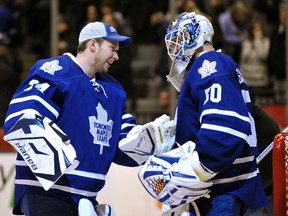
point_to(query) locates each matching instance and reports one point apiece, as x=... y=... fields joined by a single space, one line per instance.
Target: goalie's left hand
x=176 y=177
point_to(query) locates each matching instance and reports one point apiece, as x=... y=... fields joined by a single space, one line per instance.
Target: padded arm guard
x=152 y=138
x=176 y=177
x=44 y=146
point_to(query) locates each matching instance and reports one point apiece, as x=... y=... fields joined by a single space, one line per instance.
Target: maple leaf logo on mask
x=101 y=128
x=51 y=67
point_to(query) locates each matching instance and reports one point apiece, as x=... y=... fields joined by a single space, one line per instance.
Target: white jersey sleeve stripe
x=125 y=125
x=59 y=187
x=224 y=112
x=40 y=100
x=246 y=96
x=236 y=178
x=20 y=113
x=86 y=174
x=225 y=130
x=72 y=172
x=244 y=160
x=21 y=163
x=126 y=116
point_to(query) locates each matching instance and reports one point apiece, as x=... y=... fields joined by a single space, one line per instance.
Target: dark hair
x=252 y=25
x=82 y=46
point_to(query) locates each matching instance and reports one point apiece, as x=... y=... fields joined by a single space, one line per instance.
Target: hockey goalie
x=215 y=112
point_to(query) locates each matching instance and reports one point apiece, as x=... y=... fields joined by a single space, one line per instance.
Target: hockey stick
x=268 y=148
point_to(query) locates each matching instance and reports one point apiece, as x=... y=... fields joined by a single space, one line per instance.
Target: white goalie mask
x=183 y=37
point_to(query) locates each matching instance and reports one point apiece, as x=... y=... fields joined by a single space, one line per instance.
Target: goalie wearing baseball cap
x=213 y=169
x=68 y=122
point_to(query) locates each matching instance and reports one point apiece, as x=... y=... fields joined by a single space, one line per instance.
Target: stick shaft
x=268 y=149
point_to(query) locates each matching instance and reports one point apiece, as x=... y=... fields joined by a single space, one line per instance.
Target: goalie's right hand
x=171 y=177
x=151 y=138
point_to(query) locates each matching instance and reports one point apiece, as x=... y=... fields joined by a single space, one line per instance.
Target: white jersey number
x=214 y=93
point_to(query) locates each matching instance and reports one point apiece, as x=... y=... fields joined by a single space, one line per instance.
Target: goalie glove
x=152 y=138
x=176 y=177
x=44 y=146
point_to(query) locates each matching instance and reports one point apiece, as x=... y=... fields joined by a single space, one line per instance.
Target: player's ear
x=93 y=45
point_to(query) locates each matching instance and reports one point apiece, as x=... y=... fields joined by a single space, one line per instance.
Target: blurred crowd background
x=250 y=31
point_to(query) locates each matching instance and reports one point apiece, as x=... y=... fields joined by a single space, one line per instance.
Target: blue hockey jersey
x=92 y=114
x=214 y=111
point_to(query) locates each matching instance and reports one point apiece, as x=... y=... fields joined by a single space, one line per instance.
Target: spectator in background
x=268 y=9
x=38 y=28
x=233 y=24
x=67 y=37
x=164 y=101
x=253 y=59
x=217 y=7
x=159 y=20
x=92 y=15
x=8 y=81
x=7 y=24
x=121 y=70
x=108 y=10
x=141 y=11
x=9 y=37
x=191 y=6
x=277 y=55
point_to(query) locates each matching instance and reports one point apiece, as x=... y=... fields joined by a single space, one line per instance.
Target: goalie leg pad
x=44 y=146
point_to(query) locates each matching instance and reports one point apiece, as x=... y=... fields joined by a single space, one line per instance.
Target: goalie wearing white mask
x=214 y=171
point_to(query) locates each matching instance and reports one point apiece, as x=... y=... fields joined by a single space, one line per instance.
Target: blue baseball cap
x=103 y=30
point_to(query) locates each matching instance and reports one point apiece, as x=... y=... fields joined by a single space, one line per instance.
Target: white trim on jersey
x=225 y=130
x=20 y=113
x=72 y=172
x=126 y=116
x=40 y=100
x=224 y=112
x=246 y=96
x=86 y=174
x=244 y=160
x=21 y=163
x=58 y=187
x=125 y=125
x=236 y=178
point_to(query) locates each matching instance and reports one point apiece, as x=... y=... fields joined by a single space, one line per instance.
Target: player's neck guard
x=177 y=73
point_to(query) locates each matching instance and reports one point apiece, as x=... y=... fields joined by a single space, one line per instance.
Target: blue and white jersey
x=214 y=111
x=92 y=114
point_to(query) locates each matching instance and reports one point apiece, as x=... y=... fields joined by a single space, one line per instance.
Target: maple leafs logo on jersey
x=101 y=128
x=207 y=68
x=51 y=67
